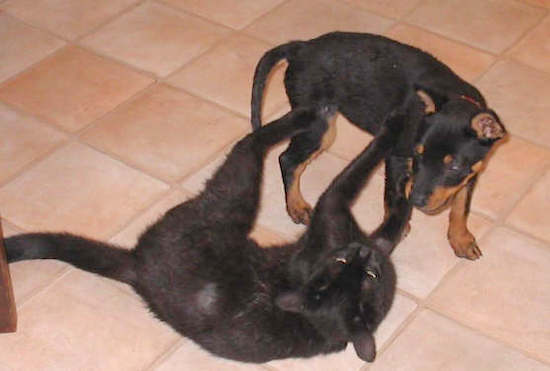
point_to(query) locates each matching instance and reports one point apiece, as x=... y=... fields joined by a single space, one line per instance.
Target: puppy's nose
x=419 y=200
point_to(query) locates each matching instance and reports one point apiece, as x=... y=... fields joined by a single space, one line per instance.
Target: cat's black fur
x=198 y=270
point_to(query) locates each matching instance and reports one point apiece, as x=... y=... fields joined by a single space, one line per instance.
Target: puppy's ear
x=487 y=127
x=291 y=301
x=364 y=345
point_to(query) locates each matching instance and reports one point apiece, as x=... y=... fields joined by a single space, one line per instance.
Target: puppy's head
x=347 y=295
x=453 y=142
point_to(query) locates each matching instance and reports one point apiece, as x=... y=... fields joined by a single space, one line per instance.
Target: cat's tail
x=90 y=255
x=263 y=68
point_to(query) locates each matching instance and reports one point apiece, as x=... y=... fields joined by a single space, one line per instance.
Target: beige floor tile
x=23 y=139
x=467 y=62
x=531 y=214
x=509 y=172
x=492 y=25
x=541 y=3
x=128 y=237
x=303 y=19
x=22 y=46
x=224 y=75
x=350 y=140
x=167 y=132
x=155 y=38
x=232 y=13
x=505 y=294
x=425 y=256
x=66 y=18
x=84 y=323
x=388 y=8
x=73 y=88
x=521 y=97
x=266 y=237
x=189 y=356
x=79 y=190
x=432 y=342
x=534 y=49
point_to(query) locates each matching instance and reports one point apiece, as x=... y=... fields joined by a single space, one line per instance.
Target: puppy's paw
x=465 y=246
x=299 y=212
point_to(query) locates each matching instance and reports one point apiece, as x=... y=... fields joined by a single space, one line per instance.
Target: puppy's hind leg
x=303 y=149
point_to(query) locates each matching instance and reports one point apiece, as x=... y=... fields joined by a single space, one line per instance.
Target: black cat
x=198 y=270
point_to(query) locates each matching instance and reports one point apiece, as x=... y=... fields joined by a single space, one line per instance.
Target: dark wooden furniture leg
x=8 y=314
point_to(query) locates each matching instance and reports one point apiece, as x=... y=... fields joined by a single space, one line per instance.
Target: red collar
x=471 y=100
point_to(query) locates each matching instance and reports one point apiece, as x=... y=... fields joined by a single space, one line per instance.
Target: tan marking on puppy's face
x=441 y=196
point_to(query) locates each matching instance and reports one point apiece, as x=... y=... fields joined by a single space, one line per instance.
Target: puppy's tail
x=263 y=68
x=89 y=255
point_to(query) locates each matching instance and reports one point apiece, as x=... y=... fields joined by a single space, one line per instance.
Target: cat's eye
x=371 y=274
x=341 y=260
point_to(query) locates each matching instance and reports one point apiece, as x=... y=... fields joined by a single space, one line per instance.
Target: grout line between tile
x=113 y=59
x=108 y=20
x=428 y=304
x=43 y=290
x=501 y=220
x=526 y=32
x=460 y=42
x=487 y=335
x=400 y=329
x=418 y=5
x=191 y=14
x=152 y=74
x=44 y=30
x=32 y=66
x=214 y=45
x=525 y=234
x=5 y=222
x=39 y=158
x=166 y=354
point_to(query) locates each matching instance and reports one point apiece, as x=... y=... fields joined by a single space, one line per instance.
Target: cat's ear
x=364 y=345
x=291 y=301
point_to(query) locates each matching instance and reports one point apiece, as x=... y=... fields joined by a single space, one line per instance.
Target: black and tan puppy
x=367 y=76
x=198 y=270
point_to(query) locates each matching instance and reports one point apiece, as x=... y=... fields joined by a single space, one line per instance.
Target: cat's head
x=348 y=293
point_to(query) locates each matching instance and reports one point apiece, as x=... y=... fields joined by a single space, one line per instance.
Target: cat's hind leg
x=234 y=190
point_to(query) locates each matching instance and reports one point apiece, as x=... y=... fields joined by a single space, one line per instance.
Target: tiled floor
x=111 y=111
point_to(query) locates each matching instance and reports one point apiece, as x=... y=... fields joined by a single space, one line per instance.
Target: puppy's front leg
x=461 y=239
